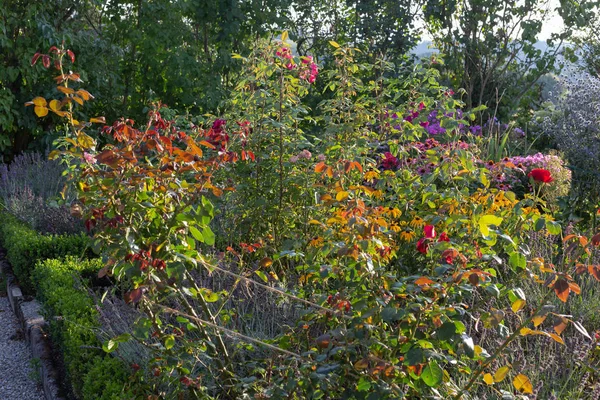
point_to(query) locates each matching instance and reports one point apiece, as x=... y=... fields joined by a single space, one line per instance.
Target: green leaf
x=432 y=374
x=553 y=227
x=363 y=385
x=169 y=342
x=262 y=276
x=446 y=331
x=209 y=236
x=196 y=234
x=517 y=260
x=110 y=346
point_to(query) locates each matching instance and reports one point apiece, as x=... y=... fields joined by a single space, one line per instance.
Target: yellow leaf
x=314 y=222
x=65 y=90
x=538 y=319
x=266 y=262
x=341 y=195
x=98 y=120
x=334 y=44
x=361 y=364
x=78 y=100
x=40 y=111
x=556 y=338
x=53 y=154
x=518 y=305
x=85 y=141
x=39 y=101
x=55 y=105
x=501 y=374
x=284 y=36
x=522 y=384
x=487 y=378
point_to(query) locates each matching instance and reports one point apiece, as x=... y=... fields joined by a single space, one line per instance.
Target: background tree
x=491 y=50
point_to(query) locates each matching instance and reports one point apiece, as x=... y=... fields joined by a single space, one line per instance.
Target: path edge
x=35 y=330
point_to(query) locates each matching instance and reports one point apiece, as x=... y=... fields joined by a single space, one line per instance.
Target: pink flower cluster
x=311 y=70
x=308 y=69
x=303 y=155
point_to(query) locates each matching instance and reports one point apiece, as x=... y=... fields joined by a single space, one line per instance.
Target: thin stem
x=499 y=351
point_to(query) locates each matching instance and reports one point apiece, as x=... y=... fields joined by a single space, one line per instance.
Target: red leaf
x=35 y=58
x=46 y=61
x=134 y=296
x=167 y=142
x=71 y=55
x=108 y=157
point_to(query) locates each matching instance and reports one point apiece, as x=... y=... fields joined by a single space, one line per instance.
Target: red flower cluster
x=541 y=175
x=390 y=162
x=429 y=232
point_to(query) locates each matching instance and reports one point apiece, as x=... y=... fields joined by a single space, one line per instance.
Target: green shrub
x=24 y=247
x=73 y=320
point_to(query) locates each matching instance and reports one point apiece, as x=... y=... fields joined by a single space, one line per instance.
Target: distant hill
x=426 y=47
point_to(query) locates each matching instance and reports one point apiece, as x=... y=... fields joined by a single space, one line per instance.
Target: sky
x=552 y=25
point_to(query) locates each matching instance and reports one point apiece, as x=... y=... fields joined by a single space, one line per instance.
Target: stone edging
x=34 y=330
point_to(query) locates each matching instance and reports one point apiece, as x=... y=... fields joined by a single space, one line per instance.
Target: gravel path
x=15 y=364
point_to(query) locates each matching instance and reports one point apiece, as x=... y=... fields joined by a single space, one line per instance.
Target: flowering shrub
x=512 y=173
x=388 y=263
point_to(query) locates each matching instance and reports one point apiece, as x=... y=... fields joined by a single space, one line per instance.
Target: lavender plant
x=29 y=187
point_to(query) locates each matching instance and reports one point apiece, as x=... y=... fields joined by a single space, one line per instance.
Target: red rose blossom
x=429 y=231
x=541 y=175
x=422 y=245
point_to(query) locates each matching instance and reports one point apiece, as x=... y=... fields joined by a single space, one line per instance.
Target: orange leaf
x=65 y=90
x=78 y=100
x=560 y=325
x=84 y=94
x=423 y=281
x=207 y=144
x=594 y=270
x=574 y=288
x=568 y=237
x=561 y=288
x=320 y=167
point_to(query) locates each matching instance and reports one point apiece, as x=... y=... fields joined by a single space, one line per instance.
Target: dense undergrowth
x=388 y=246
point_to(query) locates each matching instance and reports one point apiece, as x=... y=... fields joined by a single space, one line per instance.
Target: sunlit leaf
x=40 y=111
x=501 y=373
x=342 y=195
x=488 y=378
x=522 y=384
x=561 y=288
x=517 y=305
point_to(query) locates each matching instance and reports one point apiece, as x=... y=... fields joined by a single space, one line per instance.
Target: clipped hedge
x=73 y=319
x=24 y=247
